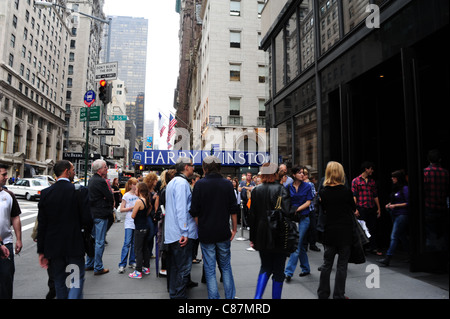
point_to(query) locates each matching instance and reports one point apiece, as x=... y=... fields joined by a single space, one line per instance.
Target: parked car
x=30 y=188
x=49 y=178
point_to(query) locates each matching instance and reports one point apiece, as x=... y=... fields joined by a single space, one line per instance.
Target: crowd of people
x=184 y=212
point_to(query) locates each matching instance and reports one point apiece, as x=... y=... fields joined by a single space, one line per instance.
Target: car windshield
x=40 y=183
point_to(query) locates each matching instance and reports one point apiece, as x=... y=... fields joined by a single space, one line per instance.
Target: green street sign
x=94 y=114
x=118 y=118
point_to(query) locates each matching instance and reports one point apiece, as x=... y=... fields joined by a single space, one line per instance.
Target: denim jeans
x=399 y=233
x=62 y=267
x=179 y=268
x=128 y=249
x=99 y=233
x=300 y=253
x=209 y=252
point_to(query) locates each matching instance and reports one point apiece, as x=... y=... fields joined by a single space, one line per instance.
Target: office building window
x=235 y=8
x=235 y=39
x=235 y=72
x=235 y=106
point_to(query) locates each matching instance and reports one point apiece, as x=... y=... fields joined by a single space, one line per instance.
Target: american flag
x=171 y=132
x=162 y=126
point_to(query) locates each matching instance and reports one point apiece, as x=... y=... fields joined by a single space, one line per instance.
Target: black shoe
x=51 y=294
x=192 y=284
x=303 y=274
x=288 y=278
x=385 y=261
x=314 y=247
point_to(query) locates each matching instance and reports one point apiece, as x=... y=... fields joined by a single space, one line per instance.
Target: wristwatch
x=1 y=243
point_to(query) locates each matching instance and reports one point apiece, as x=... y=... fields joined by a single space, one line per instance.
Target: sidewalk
x=395 y=282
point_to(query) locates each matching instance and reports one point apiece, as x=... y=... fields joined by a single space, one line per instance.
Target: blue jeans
x=399 y=233
x=209 y=252
x=128 y=248
x=99 y=233
x=179 y=268
x=300 y=253
x=58 y=267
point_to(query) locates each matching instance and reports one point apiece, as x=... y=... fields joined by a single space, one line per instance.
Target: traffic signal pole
x=86 y=147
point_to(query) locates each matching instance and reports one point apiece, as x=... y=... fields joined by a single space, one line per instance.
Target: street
x=366 y=281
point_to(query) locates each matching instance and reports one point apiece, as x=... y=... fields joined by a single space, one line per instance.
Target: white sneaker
x=121 y=269
x=133 y=266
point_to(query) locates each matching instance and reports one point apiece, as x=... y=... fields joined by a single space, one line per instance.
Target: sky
x=163 y=49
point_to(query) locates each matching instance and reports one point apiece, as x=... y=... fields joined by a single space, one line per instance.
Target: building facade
x=221 y=86
x=34 y=57
x=128 y=47
x=84 y=53
x=362 y=80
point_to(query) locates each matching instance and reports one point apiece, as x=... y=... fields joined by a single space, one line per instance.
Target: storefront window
x=354 y=12
x=306 y=34
x=279 y=61
x=305 y=148
x=329 y=24
x=292 y=48
x=285 y=142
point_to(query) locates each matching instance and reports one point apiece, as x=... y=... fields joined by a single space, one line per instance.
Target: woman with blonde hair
x=338 y=206
x=128 y=201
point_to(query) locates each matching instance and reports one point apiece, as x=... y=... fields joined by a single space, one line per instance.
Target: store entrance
x=377 y=133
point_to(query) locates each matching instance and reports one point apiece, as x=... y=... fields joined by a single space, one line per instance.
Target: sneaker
x=146 y=271
x=133 y=265
x=135 y=274
x=121 y=269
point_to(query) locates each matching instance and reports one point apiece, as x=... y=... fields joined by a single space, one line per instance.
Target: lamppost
x=45 y=4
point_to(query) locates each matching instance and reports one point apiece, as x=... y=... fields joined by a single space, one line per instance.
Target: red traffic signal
x=102 y=94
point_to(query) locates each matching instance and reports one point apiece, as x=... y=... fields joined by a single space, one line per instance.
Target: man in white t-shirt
x=9 y=215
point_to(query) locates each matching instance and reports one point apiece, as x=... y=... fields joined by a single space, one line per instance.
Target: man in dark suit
x=102 y=203
x=63 y=211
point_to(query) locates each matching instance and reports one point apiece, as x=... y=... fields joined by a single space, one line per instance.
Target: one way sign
x=104 y=131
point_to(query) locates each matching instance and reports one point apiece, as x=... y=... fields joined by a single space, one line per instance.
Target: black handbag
x=89 y=242
x=282 y=230
x=357 y=255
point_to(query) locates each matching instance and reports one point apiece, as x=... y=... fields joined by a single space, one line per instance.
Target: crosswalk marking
x=29 y=214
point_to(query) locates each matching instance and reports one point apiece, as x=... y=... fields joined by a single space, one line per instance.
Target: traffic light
x=102 y=94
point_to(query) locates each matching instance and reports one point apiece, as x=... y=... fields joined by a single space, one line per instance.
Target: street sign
x=104 y=131
x=106 y=71
x=94 y=114
x=118 y=118
x=89 y=98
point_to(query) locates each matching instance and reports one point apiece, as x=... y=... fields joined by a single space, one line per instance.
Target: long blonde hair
x=334 y=174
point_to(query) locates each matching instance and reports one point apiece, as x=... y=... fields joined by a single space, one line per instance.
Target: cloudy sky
x=163 y=49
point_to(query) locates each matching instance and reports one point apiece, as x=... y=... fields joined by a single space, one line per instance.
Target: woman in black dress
x=338 y=206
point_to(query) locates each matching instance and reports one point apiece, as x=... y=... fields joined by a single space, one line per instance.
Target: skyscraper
x=128 y=47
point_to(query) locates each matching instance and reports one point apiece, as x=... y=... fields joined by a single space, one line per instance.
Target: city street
x=395 y=282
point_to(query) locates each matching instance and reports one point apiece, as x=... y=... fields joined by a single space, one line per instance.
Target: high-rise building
x=221 y=86
x=128 y=47
x=35 y=45
x=84 y=52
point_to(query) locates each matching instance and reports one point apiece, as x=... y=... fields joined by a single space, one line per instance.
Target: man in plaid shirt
x=365 y=195
x=436 y=184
